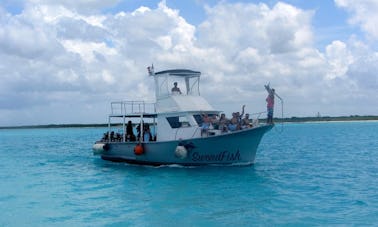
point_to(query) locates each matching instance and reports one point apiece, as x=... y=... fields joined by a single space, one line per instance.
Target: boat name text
x=220 y=157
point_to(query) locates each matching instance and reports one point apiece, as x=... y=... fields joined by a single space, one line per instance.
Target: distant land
x=327 y=118
x=277 y=120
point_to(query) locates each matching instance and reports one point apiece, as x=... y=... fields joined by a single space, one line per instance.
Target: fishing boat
x=173 y=130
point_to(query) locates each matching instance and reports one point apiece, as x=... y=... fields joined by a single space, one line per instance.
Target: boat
x=172 y=129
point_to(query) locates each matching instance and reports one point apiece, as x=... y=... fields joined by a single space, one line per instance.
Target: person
x=233 y=124
x=240 y=115
x=147 y=133
x=223 y=121
x=205 y=124
x=270 y=104
x=214 y=122
x=112 y=138
x=245 y=123
x=118 y=137
x=105 y=138
x=175 y=89
x=129 y=132
x=139 y=133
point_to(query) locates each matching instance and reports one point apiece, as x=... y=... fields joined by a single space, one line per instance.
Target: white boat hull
x=226 y=149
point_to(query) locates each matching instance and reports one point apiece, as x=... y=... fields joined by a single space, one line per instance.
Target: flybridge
x=186 y=80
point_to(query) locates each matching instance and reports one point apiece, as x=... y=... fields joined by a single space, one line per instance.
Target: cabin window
x=178 y=121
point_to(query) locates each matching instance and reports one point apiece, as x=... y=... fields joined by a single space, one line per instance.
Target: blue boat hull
x=226 y=149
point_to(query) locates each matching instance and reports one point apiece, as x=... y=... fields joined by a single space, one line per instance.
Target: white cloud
x=339 y=58
x=54 y=55
x=107 y=77
x=363 y=69
x=281 y=29
x=364 y=14
x=88 y=51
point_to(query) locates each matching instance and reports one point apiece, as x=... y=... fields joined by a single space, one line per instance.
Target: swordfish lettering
x=218 y=157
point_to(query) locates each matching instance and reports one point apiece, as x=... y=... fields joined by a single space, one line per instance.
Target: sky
x=64 y=61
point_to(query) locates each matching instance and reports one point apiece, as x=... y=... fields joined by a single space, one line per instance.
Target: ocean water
x=304 y=174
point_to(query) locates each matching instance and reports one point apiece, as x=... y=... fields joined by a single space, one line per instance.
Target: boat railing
x=255 y=119
x=132 y=108
x=257 y=114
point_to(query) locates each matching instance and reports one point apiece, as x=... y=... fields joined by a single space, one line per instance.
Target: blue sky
x=65 y=61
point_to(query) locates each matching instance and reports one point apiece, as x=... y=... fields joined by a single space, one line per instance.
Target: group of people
x=237 y=122
x=112 y=137
x=145 y=133
x=130 y=136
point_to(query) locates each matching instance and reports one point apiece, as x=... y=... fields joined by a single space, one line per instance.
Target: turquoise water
x=308 y=174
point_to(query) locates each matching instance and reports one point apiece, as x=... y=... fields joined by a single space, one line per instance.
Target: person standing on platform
x=270 y=103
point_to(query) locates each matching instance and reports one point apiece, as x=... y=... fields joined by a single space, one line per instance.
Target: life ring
x=138 y=149
x=181 y=152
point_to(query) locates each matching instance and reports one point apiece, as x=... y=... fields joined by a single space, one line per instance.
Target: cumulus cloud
x=257 y=25
x=262 y=44
x=62 y=64
x=364 y=14
x=339 y=59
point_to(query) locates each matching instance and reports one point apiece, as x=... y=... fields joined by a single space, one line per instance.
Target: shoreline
x=55 y=126
x=325 y=119
x=276 y=120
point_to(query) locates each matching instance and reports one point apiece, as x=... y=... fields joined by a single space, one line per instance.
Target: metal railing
x=132 y=107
